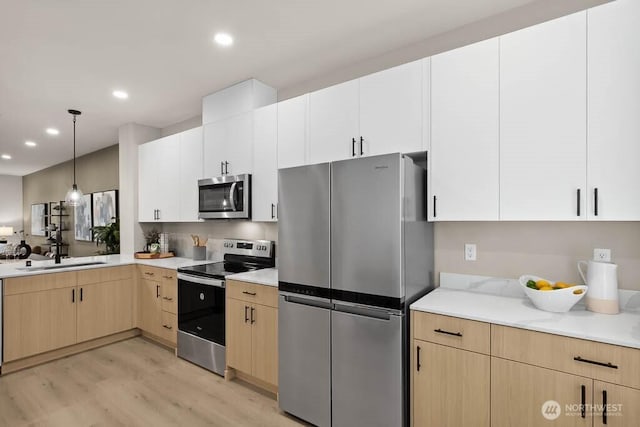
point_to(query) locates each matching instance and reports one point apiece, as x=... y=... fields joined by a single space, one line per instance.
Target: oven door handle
x=201 y=280
x=232 y=195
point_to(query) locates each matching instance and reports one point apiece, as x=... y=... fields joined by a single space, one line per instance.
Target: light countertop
x=266 y=276
x=502 y=301
x=13 y=269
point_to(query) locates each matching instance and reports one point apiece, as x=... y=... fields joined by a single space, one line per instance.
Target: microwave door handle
x=232 y=195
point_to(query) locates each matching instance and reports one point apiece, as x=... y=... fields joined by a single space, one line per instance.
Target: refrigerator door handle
x=375 y=313
x=310 y=301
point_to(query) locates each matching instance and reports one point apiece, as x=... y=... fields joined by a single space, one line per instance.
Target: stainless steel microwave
x=225 y=197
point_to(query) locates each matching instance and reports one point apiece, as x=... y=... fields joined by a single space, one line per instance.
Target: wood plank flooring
x=131 y=383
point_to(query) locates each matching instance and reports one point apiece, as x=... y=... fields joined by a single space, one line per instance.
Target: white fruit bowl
x=557 y=300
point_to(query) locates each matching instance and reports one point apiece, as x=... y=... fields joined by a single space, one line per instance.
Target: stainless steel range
x=201 y=300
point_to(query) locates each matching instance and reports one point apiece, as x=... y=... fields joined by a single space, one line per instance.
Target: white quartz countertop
x=14 y=269
x=497 y=301
x=266 y=276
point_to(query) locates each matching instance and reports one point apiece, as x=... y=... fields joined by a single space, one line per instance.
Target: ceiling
x=61 y=54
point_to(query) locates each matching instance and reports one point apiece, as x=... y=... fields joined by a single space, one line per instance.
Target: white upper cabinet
x=333 y=123
x=614 y=111
x=265 y=157
x=426 y=104
x=190 y=170
x=242 y=97
x=292 y=131
x=391 y=111
x=158 y=180
x=464 y=153
x=228 y=146
x=543 y=121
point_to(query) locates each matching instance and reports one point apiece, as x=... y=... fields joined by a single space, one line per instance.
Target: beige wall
x=546 y=249
x=97 y=171
x=11 y=204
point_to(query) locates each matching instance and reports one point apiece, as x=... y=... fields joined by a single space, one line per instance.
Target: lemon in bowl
x=556 y=297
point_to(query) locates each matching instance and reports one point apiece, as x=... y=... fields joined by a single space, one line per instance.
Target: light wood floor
x=131 y=383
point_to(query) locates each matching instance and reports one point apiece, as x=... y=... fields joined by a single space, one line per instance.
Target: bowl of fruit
x=557 y=297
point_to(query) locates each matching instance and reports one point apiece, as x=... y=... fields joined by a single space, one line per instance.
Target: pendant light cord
x=74 y=150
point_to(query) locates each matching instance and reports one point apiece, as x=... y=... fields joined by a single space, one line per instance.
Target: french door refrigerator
x=355 y=251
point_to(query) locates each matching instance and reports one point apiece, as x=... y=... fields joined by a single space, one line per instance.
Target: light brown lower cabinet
x=528 y=396
x=252 y=332
x=105 y=309
x=450 y=386
x=527 y=379
x=51 y=311
x=615 y=405
x=37 y=322
x=157 y=303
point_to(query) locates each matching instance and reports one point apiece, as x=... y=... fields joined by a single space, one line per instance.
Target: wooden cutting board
x=149 y=255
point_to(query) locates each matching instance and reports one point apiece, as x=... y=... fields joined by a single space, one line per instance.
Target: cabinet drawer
x=39 y=282
x=169 y=327
x=251 y=292
x=148 y=272
x=452 y=331
x=605 y=362
x=103 y=274
x=170 y=295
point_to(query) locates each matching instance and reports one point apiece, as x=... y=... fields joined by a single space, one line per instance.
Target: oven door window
x=201 y=310
x=224 y=197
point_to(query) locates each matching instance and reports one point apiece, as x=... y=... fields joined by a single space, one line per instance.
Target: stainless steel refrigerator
x=355 y=251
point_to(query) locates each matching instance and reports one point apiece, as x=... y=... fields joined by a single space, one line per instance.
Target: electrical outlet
x=470 y=252
x=602 y=255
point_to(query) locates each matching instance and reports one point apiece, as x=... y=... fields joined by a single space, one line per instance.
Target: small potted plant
x=109 y=235
x=153 y=241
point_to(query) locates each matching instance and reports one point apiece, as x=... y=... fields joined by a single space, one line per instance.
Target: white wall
x=129 y=137
x=11 y=202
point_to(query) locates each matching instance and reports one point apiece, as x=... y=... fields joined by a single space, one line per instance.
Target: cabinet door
x=292 y=131
x=615 y=405
x=264 y=340
x=190 y=170
x=240 y=144
x=40 y=321
x=105 y=309
x=614 y=104
x=158 y=180
x=149 y=306
x=214 y=148
x=464 y=133
x=391 y=110
x=333 y=123
x=521 y=395
x=450 y=386
x=264 y=182
x=543 y=121
x=238 y=337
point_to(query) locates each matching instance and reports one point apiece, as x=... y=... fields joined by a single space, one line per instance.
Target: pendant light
x=74 y=195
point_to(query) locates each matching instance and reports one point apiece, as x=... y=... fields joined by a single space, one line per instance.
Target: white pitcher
x=602 y=279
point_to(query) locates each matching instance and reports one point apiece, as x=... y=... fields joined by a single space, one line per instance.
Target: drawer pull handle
x=167 y=327
x=246 y=316
x=593 y=362
x=249 y=293
x=604 y=407
x=167 y=277
x=148 y=274
x=418 y=357
x=167 y=298
x=583 y=401
x=455 y=334
x=253 y=320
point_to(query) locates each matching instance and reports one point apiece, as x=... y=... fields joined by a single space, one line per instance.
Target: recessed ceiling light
x=120 y=94
x=52 y=131
x=223 y=39
x=30 y=143
x=6 y=157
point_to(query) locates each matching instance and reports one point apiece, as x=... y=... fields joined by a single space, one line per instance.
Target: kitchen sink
x=58 y=266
